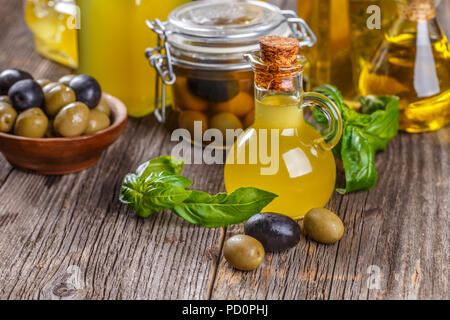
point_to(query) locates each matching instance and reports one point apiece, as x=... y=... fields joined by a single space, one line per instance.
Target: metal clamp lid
x=160 y=57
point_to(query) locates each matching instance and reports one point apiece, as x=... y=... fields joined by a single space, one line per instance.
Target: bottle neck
x=278 y=111
x=417 y=10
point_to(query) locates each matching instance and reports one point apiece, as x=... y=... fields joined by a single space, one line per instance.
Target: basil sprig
x=364 y=135
x=157 y=185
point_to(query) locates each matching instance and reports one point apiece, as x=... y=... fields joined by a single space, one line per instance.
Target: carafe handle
x=331 y=111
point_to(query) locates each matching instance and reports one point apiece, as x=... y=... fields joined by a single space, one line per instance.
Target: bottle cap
x=417 y=10
x=278 y=65
x=281 y=51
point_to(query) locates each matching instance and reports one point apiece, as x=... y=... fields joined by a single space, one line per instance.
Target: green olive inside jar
x=200 y=54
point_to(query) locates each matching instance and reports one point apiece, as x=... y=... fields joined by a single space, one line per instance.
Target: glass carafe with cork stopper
x=413 y=63
x=281 y=152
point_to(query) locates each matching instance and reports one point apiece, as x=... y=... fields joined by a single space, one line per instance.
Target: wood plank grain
x=61 y=232
x=399 y=227
x=69 y=238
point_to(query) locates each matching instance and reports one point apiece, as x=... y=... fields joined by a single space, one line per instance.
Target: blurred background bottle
x=344 y=40
x=54 y=26
x=112 y=42
x=413 y=63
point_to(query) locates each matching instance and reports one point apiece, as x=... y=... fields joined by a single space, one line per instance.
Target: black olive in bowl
x=26 y=94
x=87 y=90
x=276 y=232
x=9 y=77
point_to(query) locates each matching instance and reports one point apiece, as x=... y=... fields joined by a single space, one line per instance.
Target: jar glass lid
x=216 y=34
x=216 y=21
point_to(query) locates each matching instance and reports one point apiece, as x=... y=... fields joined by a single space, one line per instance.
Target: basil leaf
x=132 y=194
x=364 y=134
x=222 y=209
x=370 y=104
x=358 y=158
x=166 y=164
x=157 y=192
x=158 y=185
x=384 y=125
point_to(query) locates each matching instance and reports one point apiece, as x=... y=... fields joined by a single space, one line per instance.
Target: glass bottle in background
x=112 y=42
x=413 y=63
x=343 y=40
x=54 y=26
x=366 y=41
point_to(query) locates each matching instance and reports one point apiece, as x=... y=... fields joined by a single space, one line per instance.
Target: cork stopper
x=280 y=51
x=417 y=10
x=280 y=63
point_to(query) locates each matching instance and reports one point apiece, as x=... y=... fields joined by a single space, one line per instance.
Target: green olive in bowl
x=103 y=107
x=43 y=82
x=72 y=120
x=8 y=117
x=31 y=123
x=97 y=121
x=5 y=99
x=66 y=79
x=56 y=97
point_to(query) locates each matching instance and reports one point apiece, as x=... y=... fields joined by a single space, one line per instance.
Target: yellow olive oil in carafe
x=298 y=167
x=54 y=26
x=112 y=40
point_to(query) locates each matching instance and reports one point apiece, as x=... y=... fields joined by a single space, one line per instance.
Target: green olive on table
x=323 y=226
x=72 y=120
x=103 y=106
x=56 y=97
x=32 y=123
x=8 y=116
x=97 y=121
x=243 y=252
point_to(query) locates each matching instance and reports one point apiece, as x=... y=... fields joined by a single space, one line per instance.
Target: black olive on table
x=9 y=77
x=87 y=90
x=276 y=232
x=26 y=94
x=214 y=90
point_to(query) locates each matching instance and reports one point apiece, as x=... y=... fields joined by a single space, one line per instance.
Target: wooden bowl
x=56 y=156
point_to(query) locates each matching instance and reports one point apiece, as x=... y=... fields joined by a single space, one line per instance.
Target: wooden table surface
x=59 y=234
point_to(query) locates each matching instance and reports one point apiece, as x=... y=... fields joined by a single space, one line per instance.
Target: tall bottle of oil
x=344 y=40
x=112 y=41
x=413 y=63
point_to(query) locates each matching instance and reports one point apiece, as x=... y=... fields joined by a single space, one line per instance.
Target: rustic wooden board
x=59 y=234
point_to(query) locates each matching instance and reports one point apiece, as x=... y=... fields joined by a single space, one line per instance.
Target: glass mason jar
x=112 y=40
x=201 y=54
x=54 y=24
